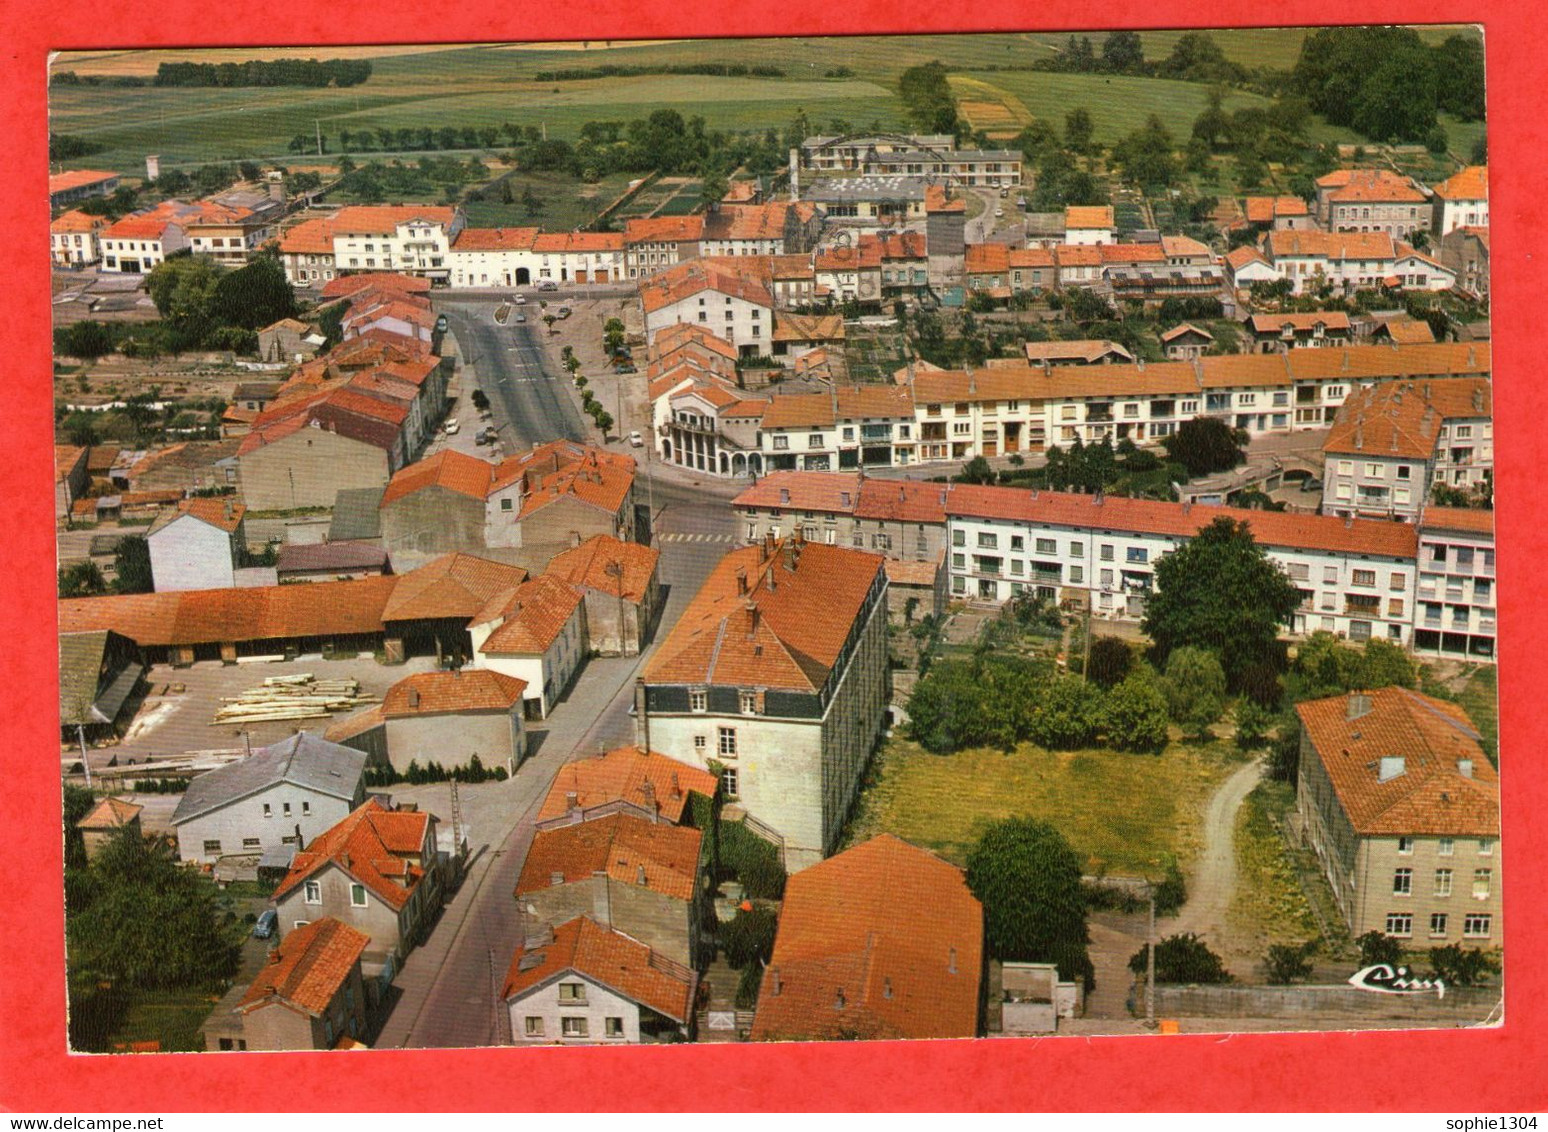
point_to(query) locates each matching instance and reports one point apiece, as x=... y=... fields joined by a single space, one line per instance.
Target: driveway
x=1213 y=882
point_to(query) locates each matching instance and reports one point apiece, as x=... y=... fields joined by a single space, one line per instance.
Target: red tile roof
x=76 y=179
x=494 y=239
x=939 y=198
x=379 y=848
x=1330 y=245
x=607 y=564
x=386 y=281
x=450 y=693
x=1244 y=256
x=448 y=470
x=1264 y=210
x=648 y=780
x=222 y=513
x=1089 y=216
x=787 y=630
x=532 y=618
x=902 y=501
x=608 y=958
x=1369 y=184
x=1403 y=418
x=563 y=469
x=310 y=237
x=451 y=587
x=1432 y=796
x=657 y=856
x=1471 y=183
x=77 y=221
x=1469 y=520
x=688 y=279
x=309 y=967
x=664 y=229
x=1299 y=320
x=110 y=813
x=380 y=219
x=829 y=492
x=881 y=941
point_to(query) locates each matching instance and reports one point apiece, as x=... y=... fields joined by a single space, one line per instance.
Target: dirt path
x=1213 y=882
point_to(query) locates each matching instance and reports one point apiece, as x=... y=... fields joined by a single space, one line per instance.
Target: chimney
x=555 y=879
x=648 y=791
x=887 y=987
x=951 y=962
x=838 y=1000
x=1359 y=705
x=784 y=496
x=639 y=875
x=571 y=801
x=414 y=698
x=774 y=981
x=1391 y=767
x=741 y=582
x=677 y=789
x=274 y=956
x=752 y=619
x=1465 y=768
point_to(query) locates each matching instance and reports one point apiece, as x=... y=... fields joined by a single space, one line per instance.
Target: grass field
x=1269 y=906
x=171 y=1017
x=1122 y=813
x=567 y=202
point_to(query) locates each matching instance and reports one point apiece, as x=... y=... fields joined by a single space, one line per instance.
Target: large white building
x=734 y=306
x=777 y=674
x=412 y=239
x=1462 y=201
x=198 y=546
x=1455 y=615
x=1348 y=261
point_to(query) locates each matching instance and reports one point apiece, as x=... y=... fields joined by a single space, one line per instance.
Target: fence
x=1461 y=1006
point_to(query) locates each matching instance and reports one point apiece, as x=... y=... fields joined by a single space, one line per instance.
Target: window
x=1476 y=926
x=1481 y=879
x=1077 y=575
x=1442 y=882
x=1445 y=847
x=357 y=896
x=1405 y=844
x=212 y=847
x=572 y=992
x=1485 y=846
x=727 y=744
x=814 y=440
x=958 y=537
x=1403 y=882
x=306 y=809
x=534 y=1026
x=881 y=542
x=1107 y=552
x=988 y=541
x=613 y=1027
x=1396 y=583
x=1346 y=467
x=573 y=1027
x=781 y=443
x=507 y=504
x=313 y=893
x=1437 y=923
x=1400 y=923
x=729 y=782
x=1137 y=556
x=1047 y=546
x=698 y=700
x=1107 y=577
x=286 y=807
x=1375 y=471
x=1364 y=578
x=251 y=843
x=268 y=811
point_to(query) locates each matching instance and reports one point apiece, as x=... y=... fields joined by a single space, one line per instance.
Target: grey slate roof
x=302 y=557
x=303 y=760
x=357 y=514
x=86 y=694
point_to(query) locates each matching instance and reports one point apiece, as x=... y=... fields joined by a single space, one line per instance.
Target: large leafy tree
x=256 y=295
x=1219 y=591
x=132 y=566
x=1382 y=81
x=1204 y=445
x=1134 y=715
x=1195 y=688
x=1124 y=52
x=1028 y=880
x=184 y=291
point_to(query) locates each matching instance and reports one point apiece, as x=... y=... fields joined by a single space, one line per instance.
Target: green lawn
x=1269 y=906
x=567 y=202
x=1123 y=813
x=1480 y=698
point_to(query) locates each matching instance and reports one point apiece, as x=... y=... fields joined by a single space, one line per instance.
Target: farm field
x=1121 y=812
x=566 y=202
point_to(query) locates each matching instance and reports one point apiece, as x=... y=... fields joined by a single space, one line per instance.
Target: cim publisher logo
x=1385 y=979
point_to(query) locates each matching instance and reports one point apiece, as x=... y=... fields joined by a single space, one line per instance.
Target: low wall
x=1460 y=1006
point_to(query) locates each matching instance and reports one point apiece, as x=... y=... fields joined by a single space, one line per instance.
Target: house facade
x=1455 y=614
x=1371 y=200
x=309 y=995
x=198 y=546
x=1461 y=201
x=537 y=634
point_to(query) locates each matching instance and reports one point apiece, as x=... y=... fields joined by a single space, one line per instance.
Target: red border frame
x=1385 y=1071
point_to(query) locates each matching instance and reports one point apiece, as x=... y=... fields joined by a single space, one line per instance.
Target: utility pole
x=1150 y=960
x=318 y=123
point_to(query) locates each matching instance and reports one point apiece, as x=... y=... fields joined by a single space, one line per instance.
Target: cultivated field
x=1121 y=812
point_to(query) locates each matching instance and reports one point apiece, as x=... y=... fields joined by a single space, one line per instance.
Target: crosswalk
x=676 y=536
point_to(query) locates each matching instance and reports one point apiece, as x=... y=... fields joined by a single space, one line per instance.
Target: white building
x=735 y=307
x=536 y=633
x=1462 y=200
x=1456 y=610
x=413 y=239
x=75 y=238
x=199 y=546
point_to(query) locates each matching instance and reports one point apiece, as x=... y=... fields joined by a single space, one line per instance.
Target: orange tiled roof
x=308 y=968
x=829 y=492
x=664 y=229
x=658 y=856
x=310 y=237
x=532 y=618
x=1369 y=184
x=747 y=221
x=110 y=813
x=77 y=178
x=1086 y=349
x=985 y=259
x=1471 y=520
x=1284 y=529
x=864 y=257
x=1089 y=216
x=386 y=281
x=495 y=239
x=377 y=847
x=1184 y=246
x=809 y=328
x=688 y=279
x=66 y=457
x=565 y=470
x=1330 y=245
x=789 y=266
x=460 y=690
x=221 y=513
x=1125 y=253
x=578 y=242
x=1432 y=796
x=881 y=941
x=938 y=198
x=1299 y=320
x=683 y=334
x=786 y=631
x=1403 y=418
x=1241 y=257
x=1186 y=328
x=648 y=780
x=1264 y=210
x=1471 y=183
x=606 y=957
x=897 y=245
x=589 y=564
x=77 y=221
x=449 y=470
x=903 y=501
x=377 y=219
x=1410 y=330
x=453 y=586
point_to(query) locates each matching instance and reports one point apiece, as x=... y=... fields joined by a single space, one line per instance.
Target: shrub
x=747 y=987
x=749 y=937
x=1066 y=717
x=1195 y=688
x=1110 y=661
x=751 y=860
x=1134 y=716
x=1183 y=959
x=1462 y=966
x=1378 y=947
x=1287 y=963
x=1172 y=891
x=1252 y=725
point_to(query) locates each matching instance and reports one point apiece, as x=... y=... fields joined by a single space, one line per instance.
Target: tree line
x=66 y=147
x=927 y=98
x=619 y=70
x=266 y=72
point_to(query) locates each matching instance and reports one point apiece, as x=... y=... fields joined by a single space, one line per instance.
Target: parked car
x=625 y=367
x=636 y=440
x=451 y=426
x=547 y=285
x=520 y=300
x=264 y=928
x=521 y=316
x=1311 y=484
x=564 y=312
x=999 y=212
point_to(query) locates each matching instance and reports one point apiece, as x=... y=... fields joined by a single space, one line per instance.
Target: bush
x=752 y=861
x=1067 y=715
x=1183 y=959
x=747 y=987
x=1171 y=892
x=1288 y=963
x=1378 y=947
x=1460 y=966
x=1134 y=716
x=749 y=937
x=1110 y=661
x=1252 y=725
x=1195 y=688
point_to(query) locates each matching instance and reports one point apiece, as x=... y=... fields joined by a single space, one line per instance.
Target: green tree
x=131 y=564
x=184 y=291
x=749 y=937
x=256 y=295
x=88 y=340
x=713 y=184
x=1124 y=53
x=977 y=470
x=1109 y=662
x=1078 y=129
x=1066 y=716
x=1195 y=688
x=1462 y=966
x=1204 y=445
x=1027 y=877
x=1289 y=963
x=83 y=579
x=1196 y=57
x=1378 y=947
x=1220 y=591
x=1183 y=958
x=1148 y=155
x=1134 y=715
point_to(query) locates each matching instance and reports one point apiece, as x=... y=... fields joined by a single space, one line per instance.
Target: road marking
x=687 y=536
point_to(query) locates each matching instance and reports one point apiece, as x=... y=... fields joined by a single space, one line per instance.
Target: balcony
x=1046 y=577
x=875 y=432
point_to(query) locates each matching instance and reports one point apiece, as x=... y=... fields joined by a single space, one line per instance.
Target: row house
x=1465 y=253
x=1348 y=261
x=1143 y=272
x=301 y=452
x=1090 y=224
x=1393 y=441
x=411 y=239
x=792 y=700
x=854 y=153
x=517 y=257
x=138 y=242
x=903 y=519
x=78 y=185
x=1457 y=596
x=870 y=200
x=1298 y=330
x=792 y=280
x=232 y=235
x=1372 y=200
x=978 y=168
x=75 y=238
x=1401 y=806
x=1277 y=214
x=1462 y=201
x=853 y=427
x=734 y=306
x=1356 y=577
x=850 y=274
x=579 y=257
x=775 y=228
x=905 y=260
x=655 y=243
x=306 y=250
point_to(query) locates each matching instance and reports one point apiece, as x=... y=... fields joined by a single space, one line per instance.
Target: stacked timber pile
x=291 y=697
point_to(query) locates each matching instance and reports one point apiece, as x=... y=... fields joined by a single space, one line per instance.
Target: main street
x=527 y=399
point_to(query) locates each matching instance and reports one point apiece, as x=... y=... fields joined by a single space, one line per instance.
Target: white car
x=636 y=440
x=520 y=300
x=451 y=426
x=999 y=212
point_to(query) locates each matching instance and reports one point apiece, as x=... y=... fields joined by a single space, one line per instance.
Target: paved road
x=447 y=992
x=527 y=398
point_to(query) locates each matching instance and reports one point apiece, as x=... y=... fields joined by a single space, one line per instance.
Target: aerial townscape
x=767 y=540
